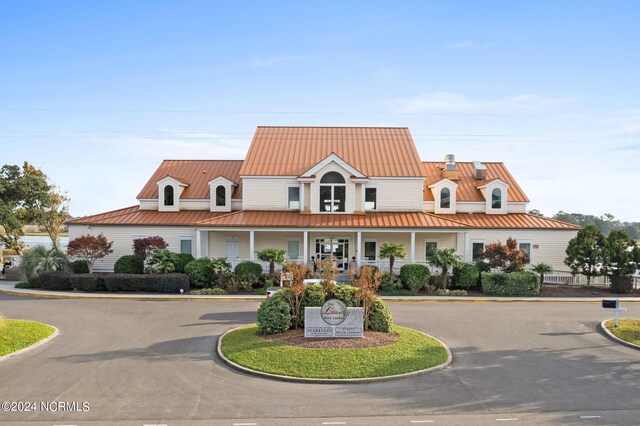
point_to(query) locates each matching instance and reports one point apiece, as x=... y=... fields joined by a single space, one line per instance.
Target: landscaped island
x=19 y=334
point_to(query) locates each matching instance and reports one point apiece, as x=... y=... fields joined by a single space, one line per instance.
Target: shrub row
x=512 y=284
x=166 y=283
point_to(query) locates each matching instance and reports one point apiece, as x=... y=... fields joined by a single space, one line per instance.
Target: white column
x=251 y=245
x=198 y=244
x=362 y=200
x=206 y=244
x=305 y=247
x=359 y=247
x=302 y=196
x=412 y=254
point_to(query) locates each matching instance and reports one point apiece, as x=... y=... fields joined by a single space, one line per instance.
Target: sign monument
x=334 y=319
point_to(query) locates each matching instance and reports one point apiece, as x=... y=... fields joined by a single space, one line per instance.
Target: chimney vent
x=479 y=170
x=450 y=163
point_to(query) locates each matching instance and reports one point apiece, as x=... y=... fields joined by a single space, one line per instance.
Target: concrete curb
x=333 y=381
x=610 y=335
x=33 y=346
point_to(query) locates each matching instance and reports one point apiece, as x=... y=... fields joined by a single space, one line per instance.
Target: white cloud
x=187 y=146
x=625 y=122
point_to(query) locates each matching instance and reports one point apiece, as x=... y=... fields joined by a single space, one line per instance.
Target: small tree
x=367 y=280
x=541 y=269
x=273 y=256
x=392 y=251
x=143 y=246
x=51 y=217
x=618 y=254
x=41 y=259
x=445 y=259
x=294 y=289
x=585 y=251
x=507 y=257
x=90 y=248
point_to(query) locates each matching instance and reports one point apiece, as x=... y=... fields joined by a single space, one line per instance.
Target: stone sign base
x=351 y=327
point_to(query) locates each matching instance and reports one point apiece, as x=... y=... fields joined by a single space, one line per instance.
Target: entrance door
x=233 y=250
x=338 y=248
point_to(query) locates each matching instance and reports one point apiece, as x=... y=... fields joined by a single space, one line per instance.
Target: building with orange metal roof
x=330 y=191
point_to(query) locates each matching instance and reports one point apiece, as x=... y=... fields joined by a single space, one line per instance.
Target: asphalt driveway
x=154 y=360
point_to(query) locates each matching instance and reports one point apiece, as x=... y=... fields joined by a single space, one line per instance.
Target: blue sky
x=98 y=93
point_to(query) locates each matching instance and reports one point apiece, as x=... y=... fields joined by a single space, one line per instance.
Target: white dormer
x=495 y=195
x=169 y=192
x=220 y=190
x=444 y=193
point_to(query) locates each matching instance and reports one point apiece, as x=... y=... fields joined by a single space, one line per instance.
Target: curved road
x=152 y=362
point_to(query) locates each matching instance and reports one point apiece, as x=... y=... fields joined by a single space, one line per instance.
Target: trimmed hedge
x=465 y=276
x=200 y=271
x=512 y=284
x=55 y=280
x=414 y=276
x=622 y=284
x=87 y=282
x=79 y=266
x=313 y=296
x=215 y=291
x=274 y=315
x=380 y=318
x=248 y=269
x=129 y=265
x=347 y=294
x=156 y=283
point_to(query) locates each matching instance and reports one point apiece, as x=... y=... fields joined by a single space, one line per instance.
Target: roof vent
x=450 y=163
x=479 y=170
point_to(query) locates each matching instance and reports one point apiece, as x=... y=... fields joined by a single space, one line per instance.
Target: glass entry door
x=338 y=248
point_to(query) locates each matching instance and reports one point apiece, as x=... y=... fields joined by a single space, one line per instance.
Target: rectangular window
x=293 y=249
x=325 y=198
x=339 y=198
x=526 y=247
x=370 y=199
x=370 y=250
x=429 y=249
x=294 y=198
x=185 y=245
x=477 y=250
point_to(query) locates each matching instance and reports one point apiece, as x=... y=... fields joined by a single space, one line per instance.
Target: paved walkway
x=9 y=288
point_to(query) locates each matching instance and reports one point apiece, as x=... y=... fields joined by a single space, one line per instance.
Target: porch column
x=302 y=206
x=251 y=245
x=206 y=244
x=198 y=244
x=358 y=247
x=305 y=247
x=412 y=254
x=362 y=197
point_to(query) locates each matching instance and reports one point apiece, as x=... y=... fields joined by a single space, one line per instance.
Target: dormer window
x=370 y=199
x=221 y=196
x=168 y=195
x=445 y=198
x=496 y=198
x=333 y=191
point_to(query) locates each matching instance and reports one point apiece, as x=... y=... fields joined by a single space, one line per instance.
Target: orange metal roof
x=195 y=173
x=290 y=151
x=287 y=219
x=134 y=216
x=467 y=184
x=511 y=220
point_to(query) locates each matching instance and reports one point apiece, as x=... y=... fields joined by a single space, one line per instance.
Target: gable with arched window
x=333 y=193
x=444 y=195
x=445 y=198
x=169 y=196
x=221 y=196
x=496 y=198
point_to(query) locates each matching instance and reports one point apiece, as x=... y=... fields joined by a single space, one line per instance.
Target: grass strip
x=629 y=330
x=18 y=334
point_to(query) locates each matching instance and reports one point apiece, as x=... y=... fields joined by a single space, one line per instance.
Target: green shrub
x=161 y=262
x=55 y=280
x=156 y=283
x=31 y=283
x=274 y=315
x=42 y=259
x=443 y=292
x=465 y=276
x=380 y=318
x=182 y=260
x=512 y=284
x=389 y=282
x=622 y=284
x=79 y=266
x=347 y=294
x=129 y=265
x=414 y=276
x=200 y=272
x=248 y=268
x=87 y=282
x=260 y=291
x=210 y=291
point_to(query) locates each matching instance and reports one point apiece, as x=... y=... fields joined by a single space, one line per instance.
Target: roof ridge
x=333 y=127
x=176 y=159
x=104 y=213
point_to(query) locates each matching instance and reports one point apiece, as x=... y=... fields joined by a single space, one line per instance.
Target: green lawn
x=18 y=334
x=629 y=330
x=413 y=351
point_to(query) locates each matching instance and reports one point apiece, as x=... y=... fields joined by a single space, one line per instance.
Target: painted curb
x=33 y=346
x=610 y=335
x=364 y=380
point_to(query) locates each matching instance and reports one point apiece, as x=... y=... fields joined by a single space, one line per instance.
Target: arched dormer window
x=333 y=192
x=496 y=198
x=221 y=195
x=168 y=195
x=445 y=198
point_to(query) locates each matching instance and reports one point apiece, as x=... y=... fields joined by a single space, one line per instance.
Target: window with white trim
x=445 y=198
x=293 y=202
x=221 y=196
x=168 y=195
x=477 y=248
x=333 y=193
x=186 y=244
x=293 y=249
x=370 y=199
x=496 y=198
x=370 y=250
x=430 y=248
x=525 y=246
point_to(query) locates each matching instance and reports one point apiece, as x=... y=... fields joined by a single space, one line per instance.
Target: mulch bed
x=371 y=339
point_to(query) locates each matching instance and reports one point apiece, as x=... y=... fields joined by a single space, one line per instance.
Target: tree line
x=605 y=223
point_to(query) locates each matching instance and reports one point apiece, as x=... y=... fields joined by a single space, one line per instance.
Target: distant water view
x=34 y=240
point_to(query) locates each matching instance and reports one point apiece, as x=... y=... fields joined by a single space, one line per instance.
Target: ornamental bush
x=249 y=269
x=87 y=282
x=274 y=315
x=157 y=283
x=511 y=284
x=414 y=276
x=200 y=272
x=622 y=284
x=347 y=294
x=182 y=260
x=129 y=265
x=314 y=296
x=465 y=276
x=79 y=266
x=389 y=282
x=55 y=280
x=380 y=318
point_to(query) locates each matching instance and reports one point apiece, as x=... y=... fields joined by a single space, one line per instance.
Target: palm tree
x=391 y=251
x=42 y=259
x=273 y=256
x=542 y=268
x=445 y=259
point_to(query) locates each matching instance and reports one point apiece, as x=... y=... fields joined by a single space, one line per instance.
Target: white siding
x=398 y=194
x=122 y=238
x=218 y=243
x=266 y=193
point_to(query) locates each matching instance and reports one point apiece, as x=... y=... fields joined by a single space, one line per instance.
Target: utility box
x=610 y=303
